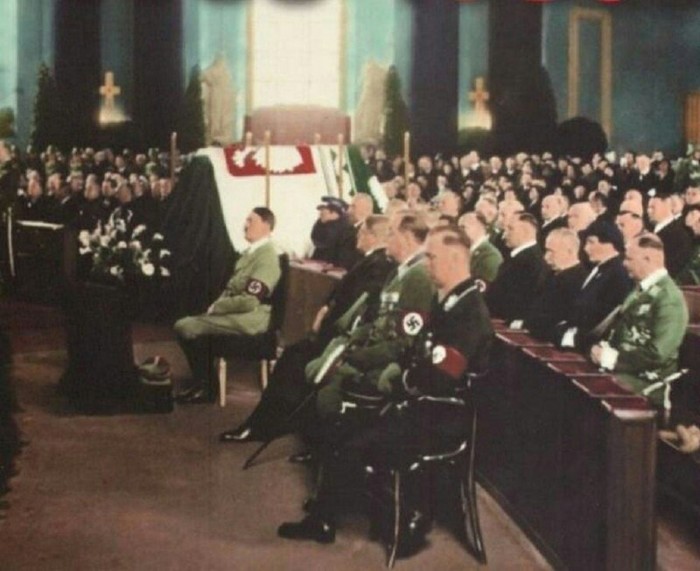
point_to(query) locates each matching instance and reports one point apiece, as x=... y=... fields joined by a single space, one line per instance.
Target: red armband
x=258 y=289
x=450 y=361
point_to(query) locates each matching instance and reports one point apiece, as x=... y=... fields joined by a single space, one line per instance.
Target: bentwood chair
x=262 y=347
x=459 y=460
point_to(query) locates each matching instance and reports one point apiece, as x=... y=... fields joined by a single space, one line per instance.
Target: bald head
x=561 y=249
x=581 y=215
x=360 y=207
x=450 y=203
x=552 y=207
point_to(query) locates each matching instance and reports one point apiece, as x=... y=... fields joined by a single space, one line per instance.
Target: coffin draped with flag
x=220 y=186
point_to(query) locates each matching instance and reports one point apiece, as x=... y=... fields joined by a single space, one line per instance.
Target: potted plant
x=121 y=266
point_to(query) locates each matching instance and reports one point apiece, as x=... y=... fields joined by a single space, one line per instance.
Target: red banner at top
x=287 y=160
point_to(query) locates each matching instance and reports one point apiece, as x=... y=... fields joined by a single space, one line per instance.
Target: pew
x=310 y=283
x=569 y=453
x=678 y=474
x=692 y=299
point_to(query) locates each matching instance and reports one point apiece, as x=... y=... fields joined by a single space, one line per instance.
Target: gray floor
x=159 y=492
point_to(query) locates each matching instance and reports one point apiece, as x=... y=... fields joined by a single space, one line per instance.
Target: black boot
x=311 y=527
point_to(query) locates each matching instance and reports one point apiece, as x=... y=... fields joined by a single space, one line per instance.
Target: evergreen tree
x=190 y=124
x=7 y=123
x=47 y=128
x=395 y=114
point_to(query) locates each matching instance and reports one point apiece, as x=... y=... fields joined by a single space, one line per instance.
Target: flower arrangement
x=118 y=254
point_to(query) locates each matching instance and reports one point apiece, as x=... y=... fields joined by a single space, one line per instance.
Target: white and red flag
x=297 y=183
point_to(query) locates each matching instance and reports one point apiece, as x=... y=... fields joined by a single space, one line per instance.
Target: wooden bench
x=569 y=453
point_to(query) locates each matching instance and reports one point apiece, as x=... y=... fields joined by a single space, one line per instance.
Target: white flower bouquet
x=118 y=254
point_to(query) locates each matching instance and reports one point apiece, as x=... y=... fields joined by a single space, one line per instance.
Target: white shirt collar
x=257 y=244
x=653 y=278
x=478 y=243
x=525 y=246
x=661 y=225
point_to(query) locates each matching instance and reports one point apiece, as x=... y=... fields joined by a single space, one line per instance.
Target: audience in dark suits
x=603 y=290
x=555 y=303
x=676 y=240
x=522 y=273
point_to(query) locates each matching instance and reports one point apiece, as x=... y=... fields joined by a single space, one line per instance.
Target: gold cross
x=479 y=96
x=109 y=91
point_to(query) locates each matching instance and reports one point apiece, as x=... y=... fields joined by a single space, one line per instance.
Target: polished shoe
x=309 y=505
x=244 y=433
x=413 y=538
x=305 y=457
x=195 y=396
x=309 y=528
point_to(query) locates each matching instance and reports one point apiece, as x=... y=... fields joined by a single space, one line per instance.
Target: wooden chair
x=459 y=460
x=262 y=347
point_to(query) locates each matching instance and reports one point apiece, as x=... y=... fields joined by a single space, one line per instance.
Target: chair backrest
x=278 y=299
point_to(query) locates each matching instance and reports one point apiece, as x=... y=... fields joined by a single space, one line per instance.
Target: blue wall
x=656 y=61
x=368 y=39
x=8 y=53
x=35 y=45
x=473 y=52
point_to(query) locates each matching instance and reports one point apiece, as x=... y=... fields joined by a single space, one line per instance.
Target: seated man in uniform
x=333 y=235
x=287 y=387
x=367 y=349
x=243 y=308
x=642 y=347
x=456 y=338
x=485 y=258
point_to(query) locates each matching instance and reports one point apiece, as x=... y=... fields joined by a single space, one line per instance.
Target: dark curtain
x=77 y=66
x=158 y=73
x=434 y=83
x=202 y=254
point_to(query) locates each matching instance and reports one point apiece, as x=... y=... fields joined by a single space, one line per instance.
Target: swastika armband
x=257 y=288
x=448 y=360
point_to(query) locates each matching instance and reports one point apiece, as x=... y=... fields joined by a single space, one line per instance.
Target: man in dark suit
x=522 y=273
x=421 y=390
x=556 y=301
x=677 y=242
x=603 y=290
x=287 y=386
x=553 y=211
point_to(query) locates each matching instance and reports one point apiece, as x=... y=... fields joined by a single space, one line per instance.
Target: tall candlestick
x=173 y=156
x=406 y=154
x=341 y=146
x=267 y=169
